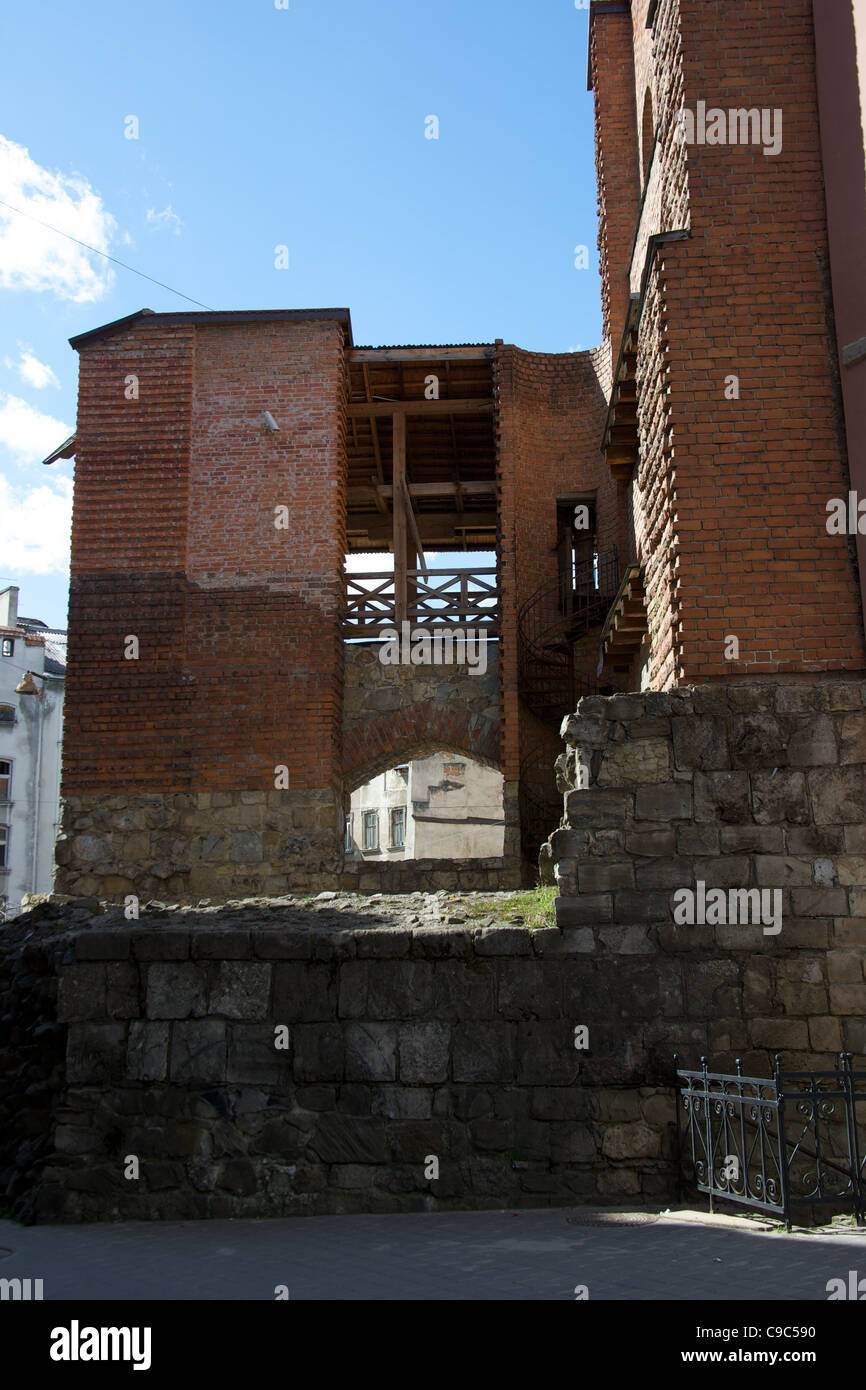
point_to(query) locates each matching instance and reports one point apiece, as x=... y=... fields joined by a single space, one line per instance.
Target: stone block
x=628 y=941
x=175 y=990
x=587 y=910
x=282 y=943
x=666 y=802
x=700 y=743
x=208 y=943
x=502 y=941
x=81 y=993
x=161 y=943
x=305 y=992
x=852 y=738
x=664 y=873
x=252 y=1057
x=350 y=1139
x=779 y=1034
x=122 y=999
x=104 y=944
x=825 y=1034
x=595 y=808
x=780 y=871
x=778 y=796
x=643 y=906
x=464 y=993
x=95 y=1053
x=652 y=842
x=241 y=989
x=812 y=742
x=852 y=870
x=198 y=1052
x=639 y=763
x=399 y=989
x=637 y=1140
x=819 y=902
x=147 y=1051
x=383 y=943
x=838 y=795
x=605 y=877
x=722 y=797
x=848 y=999
x=758 y=740
x=319 y=1052
x=371 y=1052
x=246 y=846
x=749 y=839
x=546 y=1055
x=483 y=1052
x=424 y=1051
x=849 y=931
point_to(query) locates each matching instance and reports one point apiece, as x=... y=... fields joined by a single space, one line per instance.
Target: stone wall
x=191 y=845
x=739 y=787
x=392 y=714
x=404 y=1045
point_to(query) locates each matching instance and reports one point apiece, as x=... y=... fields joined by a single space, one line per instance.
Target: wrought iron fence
x=774 y=1142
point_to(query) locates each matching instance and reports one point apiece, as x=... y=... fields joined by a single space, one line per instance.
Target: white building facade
x=441 y=807
x=31 y=736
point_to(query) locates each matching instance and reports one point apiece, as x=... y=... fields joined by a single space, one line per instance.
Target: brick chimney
x=9 y=606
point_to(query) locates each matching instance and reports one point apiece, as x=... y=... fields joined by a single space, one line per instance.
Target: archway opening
x=436 y=805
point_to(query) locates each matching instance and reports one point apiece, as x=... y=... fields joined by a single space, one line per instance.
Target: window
x=7 y=714
x=371 y=830
x=348 y=833
x=4 y=846
x=5 y=780
x=398 y=827
x=8 y=646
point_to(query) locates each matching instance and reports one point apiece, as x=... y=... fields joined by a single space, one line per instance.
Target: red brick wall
x=616 y=159
x=730 y=495
x=550 y=419
x=263 y=642
x=125 y=721
x=174 y=540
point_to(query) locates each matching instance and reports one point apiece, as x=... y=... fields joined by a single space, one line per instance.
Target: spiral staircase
x=548 y=625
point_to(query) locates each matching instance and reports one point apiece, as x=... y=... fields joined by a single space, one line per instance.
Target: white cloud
x=34 y=258
x=36 y=527
x=26 y=432
x=165 y=221
x=35 y=373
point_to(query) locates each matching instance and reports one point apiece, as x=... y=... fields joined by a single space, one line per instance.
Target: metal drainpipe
x=35 y=860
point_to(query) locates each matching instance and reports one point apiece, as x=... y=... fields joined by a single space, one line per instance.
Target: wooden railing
x=441 y=597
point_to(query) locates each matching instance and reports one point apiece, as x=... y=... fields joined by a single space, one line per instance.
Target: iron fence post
x=783 y=1145
x=848 y=1085
x=708 y=1131
x=679 y=1136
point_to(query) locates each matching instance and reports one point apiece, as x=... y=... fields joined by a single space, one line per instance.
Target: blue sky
x=261 y=127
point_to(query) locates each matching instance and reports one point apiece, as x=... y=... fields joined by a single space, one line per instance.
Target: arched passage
x=415 y=731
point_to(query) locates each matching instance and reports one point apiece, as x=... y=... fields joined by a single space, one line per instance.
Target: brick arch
x=416 y=731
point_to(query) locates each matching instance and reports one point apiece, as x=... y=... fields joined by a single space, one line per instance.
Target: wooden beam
x=399 y=508
x=410 y=513
x=419 y=354
x=478 y=488
x=470 y=405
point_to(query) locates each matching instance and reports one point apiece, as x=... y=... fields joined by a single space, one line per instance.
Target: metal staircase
x=548 y=626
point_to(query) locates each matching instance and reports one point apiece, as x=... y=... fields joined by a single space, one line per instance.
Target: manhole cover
x=594 y=1216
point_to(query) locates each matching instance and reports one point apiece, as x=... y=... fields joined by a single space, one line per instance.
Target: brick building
x=658 y=507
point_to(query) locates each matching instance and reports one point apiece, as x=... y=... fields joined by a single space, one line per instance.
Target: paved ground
x=489 y=1255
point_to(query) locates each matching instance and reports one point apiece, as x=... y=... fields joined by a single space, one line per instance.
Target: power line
x=105 y=255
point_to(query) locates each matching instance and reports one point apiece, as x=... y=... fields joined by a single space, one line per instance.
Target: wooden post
x=398 y=505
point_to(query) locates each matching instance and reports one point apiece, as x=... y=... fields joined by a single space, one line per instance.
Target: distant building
x=31 y=734
x=442 y=807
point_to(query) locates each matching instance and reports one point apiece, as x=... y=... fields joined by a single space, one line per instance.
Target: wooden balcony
x=430 y=598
